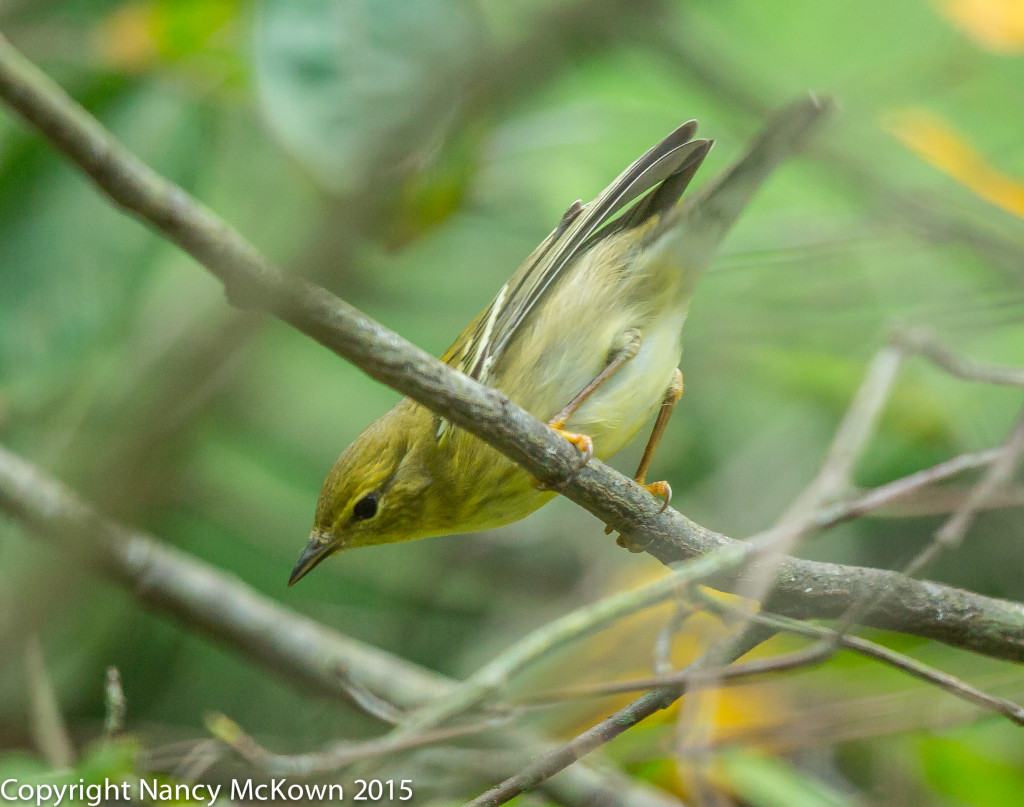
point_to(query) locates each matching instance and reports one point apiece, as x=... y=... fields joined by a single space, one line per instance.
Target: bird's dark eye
x=365 y=508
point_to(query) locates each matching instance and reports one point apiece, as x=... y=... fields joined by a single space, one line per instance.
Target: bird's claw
x=627 y=543
x=583 y=442
x=662 y=490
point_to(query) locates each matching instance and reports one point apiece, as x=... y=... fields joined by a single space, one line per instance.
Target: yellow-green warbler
x=586 y=335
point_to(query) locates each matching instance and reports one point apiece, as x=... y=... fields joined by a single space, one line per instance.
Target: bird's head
x=374 y=493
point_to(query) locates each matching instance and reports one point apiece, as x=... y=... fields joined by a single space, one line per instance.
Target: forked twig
x=337 y=755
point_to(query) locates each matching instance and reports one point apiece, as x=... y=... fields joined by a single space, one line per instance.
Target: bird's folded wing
x=670 y=165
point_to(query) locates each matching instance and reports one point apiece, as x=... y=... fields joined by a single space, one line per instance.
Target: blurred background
x=407 y=154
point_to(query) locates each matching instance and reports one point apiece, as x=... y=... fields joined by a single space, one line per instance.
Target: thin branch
x=855 y=430
x=950 y=683
x=953 y=531
x=941 y=501
x=561 y=757
x=203 y=756
x=906 y=487
x=46 y=721
x=336 y=756
x=830 y=639
x=917 y=341
x=663 y=645
x=117 y=705
x=736 y=673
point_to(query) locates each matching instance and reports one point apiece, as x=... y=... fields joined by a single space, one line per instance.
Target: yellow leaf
x=129 y=38
x=996 y=25
x=933 y=140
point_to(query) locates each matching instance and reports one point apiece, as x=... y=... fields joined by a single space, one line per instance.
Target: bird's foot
x=583 y=442
x=661 y=490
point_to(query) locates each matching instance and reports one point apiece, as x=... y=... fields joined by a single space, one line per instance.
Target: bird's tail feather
x=689 y=235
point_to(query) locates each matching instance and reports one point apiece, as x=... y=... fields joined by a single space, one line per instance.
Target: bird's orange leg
x=626 y=352
x=661 y=489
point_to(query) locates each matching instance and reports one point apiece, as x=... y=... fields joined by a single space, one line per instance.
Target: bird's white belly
x=616 y=411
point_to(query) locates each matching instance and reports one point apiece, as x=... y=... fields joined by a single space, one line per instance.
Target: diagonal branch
x=831 y=639
x=559 y=758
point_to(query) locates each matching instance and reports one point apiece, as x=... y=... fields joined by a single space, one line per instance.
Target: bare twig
x=339 y=754
x=200 y=758
x=561 y=757
x=855 y=429
x=45 y=719
x=832 y=480
x=113 y=721
x=941 y=501
x=368 y=700
x=953 y=531
x=830 y=639
x=918 y=341
x=860 y=717
x=663 y=645
x=906 y=487
x=735 y=673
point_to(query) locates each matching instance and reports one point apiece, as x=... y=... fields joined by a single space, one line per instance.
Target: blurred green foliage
x=344 y=138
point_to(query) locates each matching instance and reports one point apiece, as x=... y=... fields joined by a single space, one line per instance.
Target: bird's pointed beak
x=316 y=550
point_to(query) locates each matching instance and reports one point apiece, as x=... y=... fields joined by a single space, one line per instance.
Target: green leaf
x=335 y=76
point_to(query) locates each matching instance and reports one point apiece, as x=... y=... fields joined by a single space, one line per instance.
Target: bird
x=586 y=336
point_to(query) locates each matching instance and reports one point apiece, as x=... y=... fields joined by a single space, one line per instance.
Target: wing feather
x=668 y=167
